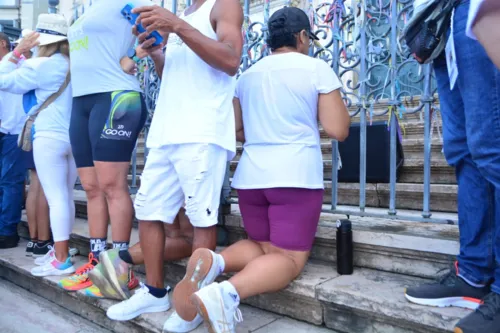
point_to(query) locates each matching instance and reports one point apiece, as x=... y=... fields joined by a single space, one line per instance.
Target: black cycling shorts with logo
x=104 y=127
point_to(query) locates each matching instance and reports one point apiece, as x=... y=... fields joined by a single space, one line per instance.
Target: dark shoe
x=39 y=250
x=29 y=248
x=9 y=242
x=451 y=290
x=485 y=319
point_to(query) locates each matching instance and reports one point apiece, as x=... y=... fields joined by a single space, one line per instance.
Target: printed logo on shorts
x=124 y=116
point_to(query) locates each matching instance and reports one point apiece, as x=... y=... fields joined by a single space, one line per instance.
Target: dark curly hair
x=279 y=36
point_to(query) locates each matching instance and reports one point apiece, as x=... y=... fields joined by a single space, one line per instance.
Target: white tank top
x=195 y=100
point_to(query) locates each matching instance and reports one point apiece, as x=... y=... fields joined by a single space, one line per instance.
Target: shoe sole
x=110 y=272
x=202 y=310
x=197 y=269
x=459 y=302
x=140 y=312
x=58 y=273
x=105 y=287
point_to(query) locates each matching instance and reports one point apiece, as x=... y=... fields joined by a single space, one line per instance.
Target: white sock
x=220 y=263
x=229 y=294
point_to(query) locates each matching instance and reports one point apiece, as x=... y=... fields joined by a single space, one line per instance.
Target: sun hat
x=24 y=33
x=52 y=28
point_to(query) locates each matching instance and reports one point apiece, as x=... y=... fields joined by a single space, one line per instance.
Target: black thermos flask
x=345 y=263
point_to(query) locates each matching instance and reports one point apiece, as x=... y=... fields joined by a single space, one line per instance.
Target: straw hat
x=52 y=28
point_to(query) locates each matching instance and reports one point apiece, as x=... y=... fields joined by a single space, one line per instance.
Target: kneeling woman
x=44 y=81
x=279 y=177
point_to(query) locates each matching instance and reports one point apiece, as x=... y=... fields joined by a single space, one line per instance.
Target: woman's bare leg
x=97 y=209
x=31 y=204
x=112 y=179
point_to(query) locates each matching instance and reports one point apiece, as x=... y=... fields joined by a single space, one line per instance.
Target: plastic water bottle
x=345 y=262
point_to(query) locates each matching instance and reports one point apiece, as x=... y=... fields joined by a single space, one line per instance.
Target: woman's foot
x=203 y=268
x=40 y=261
x=80 y=280
x=29 y=247
x=41 y=248
x=54 y=267
x=218 y=305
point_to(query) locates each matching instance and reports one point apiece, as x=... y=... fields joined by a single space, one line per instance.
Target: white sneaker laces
x=237 y=315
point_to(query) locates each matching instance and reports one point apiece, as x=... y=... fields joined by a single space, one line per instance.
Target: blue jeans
x=12 y=176
x=471 y=133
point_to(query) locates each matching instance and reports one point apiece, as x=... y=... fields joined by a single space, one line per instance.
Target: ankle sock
x=121 y=246
x=229 y=294
x=157 y=292
x=221 y=263
x=97 y=245
x=125 y=256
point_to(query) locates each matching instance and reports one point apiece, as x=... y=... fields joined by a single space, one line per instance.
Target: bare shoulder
x=228 y=10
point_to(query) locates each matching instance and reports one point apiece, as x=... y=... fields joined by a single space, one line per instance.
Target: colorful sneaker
x=29 y=248
x=451 y=290
x=54 y=268
x=117 y=272
x=176 y=324
x=93 y=292
x=202 y=270
x=219 y=316
x=141 y=302
x=485 y=319
x=80 y=280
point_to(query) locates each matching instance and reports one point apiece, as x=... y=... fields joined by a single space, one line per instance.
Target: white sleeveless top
x=195 y=100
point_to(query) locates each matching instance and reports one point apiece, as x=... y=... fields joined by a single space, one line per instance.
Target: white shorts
x=176 y=174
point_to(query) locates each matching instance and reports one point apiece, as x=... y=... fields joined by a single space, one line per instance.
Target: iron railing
x=360 y=39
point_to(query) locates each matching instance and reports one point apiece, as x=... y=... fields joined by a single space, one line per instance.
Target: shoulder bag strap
x=53 y=97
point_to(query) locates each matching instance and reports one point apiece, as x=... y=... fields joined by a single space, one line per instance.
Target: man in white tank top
x=191 y=139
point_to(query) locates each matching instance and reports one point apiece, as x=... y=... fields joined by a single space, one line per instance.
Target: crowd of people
x=77 y=81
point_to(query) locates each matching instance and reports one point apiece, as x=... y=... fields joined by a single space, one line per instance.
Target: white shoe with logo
x=219 y=317
x=176 y=324
x=40 y=261
x=141 y=302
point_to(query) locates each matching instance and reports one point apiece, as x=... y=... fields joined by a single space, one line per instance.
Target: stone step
x=15 y=267
x=412 y=248
x=367 y=301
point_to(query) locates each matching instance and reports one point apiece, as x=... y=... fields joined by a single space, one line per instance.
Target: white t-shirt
x=98 y=41
x=279 y=101
x=195 y=100
x=37 y=79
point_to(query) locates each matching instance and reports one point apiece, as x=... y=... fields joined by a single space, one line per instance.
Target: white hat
x=24 y=33
x=52 y=28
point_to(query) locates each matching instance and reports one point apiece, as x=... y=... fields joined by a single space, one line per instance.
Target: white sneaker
x=54 y=267
x=219 y=317
x=40 y=261
x=202 y=269
x=176 y=324
x=141 y=302
x=47 y=258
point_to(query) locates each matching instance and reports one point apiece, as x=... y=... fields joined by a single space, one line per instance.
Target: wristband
x=17 y=54
x=132 y=55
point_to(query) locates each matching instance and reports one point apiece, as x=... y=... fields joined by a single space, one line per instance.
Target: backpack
x=425 y=33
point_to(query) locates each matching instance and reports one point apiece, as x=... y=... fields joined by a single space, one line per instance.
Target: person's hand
x=28 y=42
x=146 y=47
x=128 y=65
x=157 y=18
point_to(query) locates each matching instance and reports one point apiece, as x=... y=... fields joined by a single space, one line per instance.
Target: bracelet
x=17 y=54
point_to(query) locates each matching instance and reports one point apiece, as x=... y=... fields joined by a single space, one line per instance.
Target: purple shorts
x=285 y=217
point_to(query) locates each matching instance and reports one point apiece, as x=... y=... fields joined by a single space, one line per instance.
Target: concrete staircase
x=389 y=256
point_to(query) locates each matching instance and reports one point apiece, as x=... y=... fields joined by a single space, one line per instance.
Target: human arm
x=146 y=48
x=224 y=53
x=332 y=112
x=238 y=120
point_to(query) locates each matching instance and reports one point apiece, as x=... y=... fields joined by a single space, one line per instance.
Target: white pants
x=57 y=173
x=176 y=174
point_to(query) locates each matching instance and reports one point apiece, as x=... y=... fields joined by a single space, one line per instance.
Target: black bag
x=425 y=33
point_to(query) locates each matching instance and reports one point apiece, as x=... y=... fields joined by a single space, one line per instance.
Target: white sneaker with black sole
x=141 y=302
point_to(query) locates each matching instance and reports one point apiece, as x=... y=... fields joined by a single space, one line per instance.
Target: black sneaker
x=451 y=290
x=41 y=250
x=485 y=319
x=8 y=242
x=29 y=248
